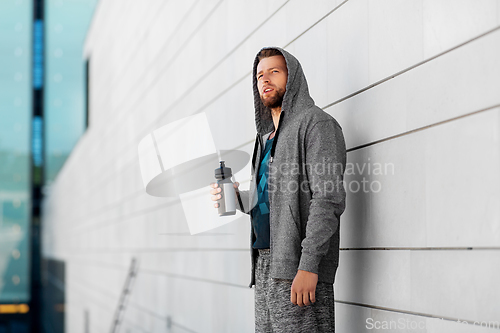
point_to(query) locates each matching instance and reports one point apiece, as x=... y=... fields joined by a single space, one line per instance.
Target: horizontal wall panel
x=215 y=266
x=158 y=229
x=454 y=284
x=424 y=95
x=79 y=298
x=398 y=43
x=446 y=26
x=233 y=311
x=437 y=187
x=208 y=308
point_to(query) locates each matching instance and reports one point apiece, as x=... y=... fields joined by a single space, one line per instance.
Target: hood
x=295 y=100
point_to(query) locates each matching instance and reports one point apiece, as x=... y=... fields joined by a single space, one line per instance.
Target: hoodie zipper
x=258 y=142
x=273 y=148
x=255 y=148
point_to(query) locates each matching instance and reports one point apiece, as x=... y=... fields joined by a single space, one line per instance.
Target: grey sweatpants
x=275 y=313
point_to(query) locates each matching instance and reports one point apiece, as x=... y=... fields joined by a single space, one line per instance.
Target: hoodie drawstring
x=255 y=146
x=273 y=148
x=276 y=136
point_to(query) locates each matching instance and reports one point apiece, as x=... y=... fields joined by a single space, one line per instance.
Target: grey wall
x=414 y=85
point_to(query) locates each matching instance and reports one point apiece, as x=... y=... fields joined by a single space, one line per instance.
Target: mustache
x=269 y=86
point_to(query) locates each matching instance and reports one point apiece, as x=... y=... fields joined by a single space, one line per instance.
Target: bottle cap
x=222 y=172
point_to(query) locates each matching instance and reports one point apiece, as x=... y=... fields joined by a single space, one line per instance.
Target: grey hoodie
x=305 y=182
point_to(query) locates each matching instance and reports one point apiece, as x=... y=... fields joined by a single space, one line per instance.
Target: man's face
x=272 y=75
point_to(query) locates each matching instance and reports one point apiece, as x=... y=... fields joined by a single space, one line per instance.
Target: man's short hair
x=266 y=53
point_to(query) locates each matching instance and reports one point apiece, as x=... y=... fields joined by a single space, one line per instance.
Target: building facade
x=414 y=85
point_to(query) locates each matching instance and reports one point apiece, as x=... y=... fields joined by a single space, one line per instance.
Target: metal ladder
x=132 y=272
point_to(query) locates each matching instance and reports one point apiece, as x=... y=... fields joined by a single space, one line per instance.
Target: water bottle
x=227 y=203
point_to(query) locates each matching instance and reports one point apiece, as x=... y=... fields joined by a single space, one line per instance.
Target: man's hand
x=216 y=192
x=304 y=288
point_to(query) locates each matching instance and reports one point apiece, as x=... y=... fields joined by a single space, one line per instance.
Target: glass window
x=15 y=132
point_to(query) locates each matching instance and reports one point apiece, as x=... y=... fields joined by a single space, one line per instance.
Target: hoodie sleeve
x=326 y=160
x=245 y=200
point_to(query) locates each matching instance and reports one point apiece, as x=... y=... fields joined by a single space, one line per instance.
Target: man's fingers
x=216 y=197
x=236 y=184
x=296 y=297
x=305 y=299
x=215 y=190
x=304 y=285
x=300 y=299
x=293 y=297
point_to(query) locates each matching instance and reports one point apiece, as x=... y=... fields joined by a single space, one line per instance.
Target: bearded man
x=295 y=200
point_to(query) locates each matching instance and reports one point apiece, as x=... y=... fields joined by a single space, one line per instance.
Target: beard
x=275 y=100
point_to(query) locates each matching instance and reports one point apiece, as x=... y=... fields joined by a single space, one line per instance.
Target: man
x=295 y=200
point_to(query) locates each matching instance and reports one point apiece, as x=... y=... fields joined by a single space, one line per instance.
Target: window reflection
x=15 y=127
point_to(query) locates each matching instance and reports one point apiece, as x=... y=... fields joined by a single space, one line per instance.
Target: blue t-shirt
x=260 y=213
